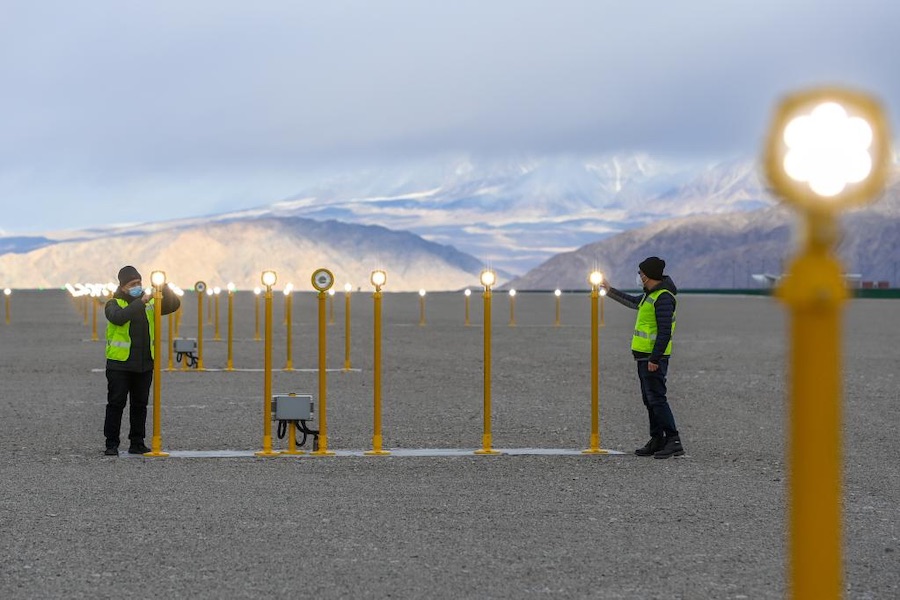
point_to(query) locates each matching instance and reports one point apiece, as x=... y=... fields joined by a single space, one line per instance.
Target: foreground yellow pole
x=268 y=280
x=378 y=279
x=323 y=334
x=596 y=278
x=158 y=279
x=487 y=280
x=827 y=149
x=229 y=364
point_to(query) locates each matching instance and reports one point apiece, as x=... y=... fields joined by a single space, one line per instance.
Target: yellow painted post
x=158 y=278
x=323 y=405
x=378 y=279
x=269 y=281
x=487 y=279
x=595 y=376
x=467 y=293
x=347 y=327
x=557 y=293
x=171 y=364
x=512 y=308
x=421 y=308
x=94 y=303
x=288 y=323
x=200 y=330
x=814 y=292
x=229 y=363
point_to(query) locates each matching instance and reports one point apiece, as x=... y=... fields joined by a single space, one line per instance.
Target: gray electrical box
x=184 y=345
x=293 y=407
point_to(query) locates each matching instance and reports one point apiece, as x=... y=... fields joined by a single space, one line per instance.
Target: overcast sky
x=125 y=110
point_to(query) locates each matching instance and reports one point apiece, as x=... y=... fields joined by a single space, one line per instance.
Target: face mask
x=136 y=292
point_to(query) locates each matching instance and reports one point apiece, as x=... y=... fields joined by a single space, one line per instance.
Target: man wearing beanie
x=651 y=346
x=129 y=358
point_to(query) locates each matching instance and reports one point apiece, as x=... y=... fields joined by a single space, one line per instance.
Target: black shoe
x=138 y=449
x=111 y=452
x=654 y=445
x=671 y=448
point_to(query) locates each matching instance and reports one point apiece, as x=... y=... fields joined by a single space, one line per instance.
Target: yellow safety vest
x=118 y=337
x=645 y=328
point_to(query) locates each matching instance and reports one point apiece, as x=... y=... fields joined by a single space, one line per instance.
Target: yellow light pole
x=512 y=308
x=7 y=293
x=827 y=149
x=268 y=280
x=422 y=308
x=216 y=291
x=229 y=364
x=557 y=293
x=288 y=324
x=331 y=306
x=467 y=294
x=256 y=292
x=158 y=279
x=487 y=280
x=200 y=287
x=94 y=303
x=347 y=288
x=595 y=279
x=378 y=279
x=322 y=280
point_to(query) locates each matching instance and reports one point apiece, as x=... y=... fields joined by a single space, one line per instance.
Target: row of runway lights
x=95 y=294
x=322 y=280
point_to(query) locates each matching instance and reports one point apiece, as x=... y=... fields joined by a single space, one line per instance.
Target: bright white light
x=347 y=287
x=288 y=289
x=602 y=291
x=422 y=293
x=596 y=278
x=512 y=293
x=269 y=278
x=488 y=278
x=557 y=293
x=257 y=290
x=468 y=292
x=217 y=290
x=828 y=149
x=331 y=291
x=378 y=278
x=157 y=278
x=231 y=287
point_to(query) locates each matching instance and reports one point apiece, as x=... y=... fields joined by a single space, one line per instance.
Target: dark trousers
x=119 y=385
x=653 y=393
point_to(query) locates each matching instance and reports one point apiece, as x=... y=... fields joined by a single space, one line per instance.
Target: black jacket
x=139 y=359
x=665 y=315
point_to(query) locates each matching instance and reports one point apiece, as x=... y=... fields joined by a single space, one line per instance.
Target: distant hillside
x=722 y=251
x=237 y=251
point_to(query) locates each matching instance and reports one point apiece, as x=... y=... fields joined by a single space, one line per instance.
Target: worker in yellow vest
x=129 y=357
x=651 y=345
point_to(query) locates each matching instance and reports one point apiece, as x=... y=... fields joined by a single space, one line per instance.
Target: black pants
x=119 y=385
x=653 y=392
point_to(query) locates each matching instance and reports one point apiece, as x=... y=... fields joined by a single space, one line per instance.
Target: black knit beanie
x=127 y=274
x=653 y=267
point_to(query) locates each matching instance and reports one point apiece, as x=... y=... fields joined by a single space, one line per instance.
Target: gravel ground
x=78 y=525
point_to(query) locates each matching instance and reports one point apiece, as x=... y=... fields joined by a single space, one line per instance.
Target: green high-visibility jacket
x=645 y=328
x=118 y=337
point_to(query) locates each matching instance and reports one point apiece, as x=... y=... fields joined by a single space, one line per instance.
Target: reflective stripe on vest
x=118 y=337
x=645 y=328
